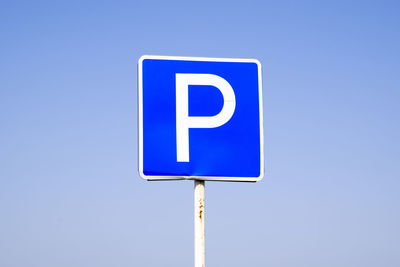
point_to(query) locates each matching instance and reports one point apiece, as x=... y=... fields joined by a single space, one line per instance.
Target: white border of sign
x=204 y=178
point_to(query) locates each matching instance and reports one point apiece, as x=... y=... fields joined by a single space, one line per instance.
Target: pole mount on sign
x=199 y=208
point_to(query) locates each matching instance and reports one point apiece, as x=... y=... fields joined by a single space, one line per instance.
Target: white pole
x=199 y=248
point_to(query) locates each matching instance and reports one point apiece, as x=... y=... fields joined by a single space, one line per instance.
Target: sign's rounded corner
x=259 y=178
x=142 y=58
x=257 y=62
x=143 y=176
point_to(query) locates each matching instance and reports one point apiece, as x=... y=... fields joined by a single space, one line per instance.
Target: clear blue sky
x=70 y=194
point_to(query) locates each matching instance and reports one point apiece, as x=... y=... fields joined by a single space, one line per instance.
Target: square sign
x=200 y=118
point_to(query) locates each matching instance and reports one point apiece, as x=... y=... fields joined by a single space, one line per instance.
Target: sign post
x=200 y=119
x=199 y=216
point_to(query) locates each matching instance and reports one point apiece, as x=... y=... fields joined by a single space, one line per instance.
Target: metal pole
x=199 y=248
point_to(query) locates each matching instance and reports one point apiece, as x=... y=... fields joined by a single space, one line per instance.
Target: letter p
x=184 y=122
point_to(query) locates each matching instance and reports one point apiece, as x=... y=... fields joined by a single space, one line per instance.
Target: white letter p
x=184 y=122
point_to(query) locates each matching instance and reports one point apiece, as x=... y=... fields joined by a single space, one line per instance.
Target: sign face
x=200 y=118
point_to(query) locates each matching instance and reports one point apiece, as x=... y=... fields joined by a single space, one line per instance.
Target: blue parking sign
x=200 y=118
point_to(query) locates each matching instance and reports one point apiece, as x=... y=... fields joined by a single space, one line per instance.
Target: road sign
x=200 y=118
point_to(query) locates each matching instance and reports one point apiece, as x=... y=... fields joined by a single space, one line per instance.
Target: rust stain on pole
x=201 y=209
